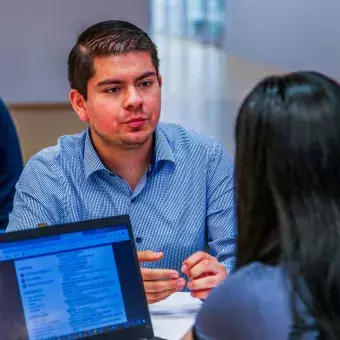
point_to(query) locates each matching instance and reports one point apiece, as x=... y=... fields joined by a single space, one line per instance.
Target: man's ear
x=79 y=105
x=160 y=80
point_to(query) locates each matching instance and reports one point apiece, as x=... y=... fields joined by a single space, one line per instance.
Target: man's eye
x=146 y=83
x=112 y=90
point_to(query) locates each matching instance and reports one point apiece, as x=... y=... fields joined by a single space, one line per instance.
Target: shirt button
x=133 y=200
x=138 y=240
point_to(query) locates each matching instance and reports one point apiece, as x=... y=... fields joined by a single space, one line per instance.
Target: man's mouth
x=136 y=122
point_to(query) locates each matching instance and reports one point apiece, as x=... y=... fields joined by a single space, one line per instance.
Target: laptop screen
x=70 y=286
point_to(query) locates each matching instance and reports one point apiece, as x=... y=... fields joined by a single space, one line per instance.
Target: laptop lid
x=72 y=281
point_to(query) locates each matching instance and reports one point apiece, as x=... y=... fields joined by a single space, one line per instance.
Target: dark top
x=10 y=163
x=252 y=304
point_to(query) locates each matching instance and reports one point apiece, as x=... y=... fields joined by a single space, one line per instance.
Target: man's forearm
x=188 y=336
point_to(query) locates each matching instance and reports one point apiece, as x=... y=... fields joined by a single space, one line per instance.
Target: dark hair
x=288 y=187
x=104 y=39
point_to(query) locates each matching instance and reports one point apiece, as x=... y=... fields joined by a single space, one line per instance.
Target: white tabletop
x=173 y=317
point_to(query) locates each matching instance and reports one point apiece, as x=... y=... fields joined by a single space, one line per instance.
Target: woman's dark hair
x=288 y=187
x=103 y=39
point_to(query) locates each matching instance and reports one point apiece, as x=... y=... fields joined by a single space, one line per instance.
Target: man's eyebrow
x=109 y=82
x=118 y=82
x=146 y=74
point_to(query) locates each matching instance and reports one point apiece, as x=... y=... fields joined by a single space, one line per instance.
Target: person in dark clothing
x=11 y=163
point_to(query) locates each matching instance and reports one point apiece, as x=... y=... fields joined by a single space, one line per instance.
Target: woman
x=287 y=285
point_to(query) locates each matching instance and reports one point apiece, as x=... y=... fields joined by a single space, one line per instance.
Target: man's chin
x=137 y=137
x=134 y=143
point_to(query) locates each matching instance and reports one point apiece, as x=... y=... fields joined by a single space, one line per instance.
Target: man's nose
x=133 y=98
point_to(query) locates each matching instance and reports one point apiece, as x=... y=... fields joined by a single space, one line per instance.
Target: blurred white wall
x=289 y=34
x=37 y=35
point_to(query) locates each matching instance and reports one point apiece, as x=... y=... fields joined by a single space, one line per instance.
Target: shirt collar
x=162 y=149
x=92 y=162
x=163 y=152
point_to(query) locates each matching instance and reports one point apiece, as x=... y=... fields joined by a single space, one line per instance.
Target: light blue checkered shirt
x=183 y=204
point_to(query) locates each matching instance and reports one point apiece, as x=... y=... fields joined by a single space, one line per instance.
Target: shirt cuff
x=229 y=264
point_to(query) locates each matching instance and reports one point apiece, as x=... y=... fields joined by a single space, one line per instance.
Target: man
x=10 y=164
x=176 y=185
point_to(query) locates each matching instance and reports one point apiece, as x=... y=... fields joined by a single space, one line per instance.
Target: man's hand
x=159 y=283
x=204 y=272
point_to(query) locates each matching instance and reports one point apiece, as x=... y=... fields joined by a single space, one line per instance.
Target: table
x=173 y=317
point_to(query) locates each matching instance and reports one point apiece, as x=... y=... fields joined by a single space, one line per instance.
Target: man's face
x=124 y=99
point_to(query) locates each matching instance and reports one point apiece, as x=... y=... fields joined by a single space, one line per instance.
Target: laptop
x=73 y=281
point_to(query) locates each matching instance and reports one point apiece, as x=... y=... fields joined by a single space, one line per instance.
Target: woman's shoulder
x=260 y=273
x=265 y=285
x=254 y=297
